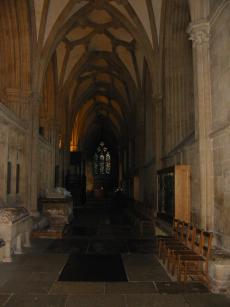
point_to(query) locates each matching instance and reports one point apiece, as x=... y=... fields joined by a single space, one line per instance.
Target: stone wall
x=13 y=136
x=177 y=70
x=220 y=81
x=180 y=144
x=46 y=167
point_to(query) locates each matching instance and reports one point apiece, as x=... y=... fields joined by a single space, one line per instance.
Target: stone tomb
x=15 y=229
x=58 y=210
x=57 y=207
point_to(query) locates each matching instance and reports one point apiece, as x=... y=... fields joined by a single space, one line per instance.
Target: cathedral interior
x=114 y=124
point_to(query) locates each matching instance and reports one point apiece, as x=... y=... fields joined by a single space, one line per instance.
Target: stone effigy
x=15 y=229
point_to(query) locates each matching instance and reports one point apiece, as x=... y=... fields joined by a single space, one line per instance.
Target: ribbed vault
x=101 y=47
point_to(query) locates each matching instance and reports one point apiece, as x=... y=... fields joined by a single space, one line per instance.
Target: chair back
x=185 y=230
x=180 y=231
x=206 y=248
x=174 y=227
x=198 y=241
x=191 y=233
x=207 y=244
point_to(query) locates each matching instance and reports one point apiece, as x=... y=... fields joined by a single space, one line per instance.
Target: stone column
x=157 y=102
x=157 y=143
x=199 y=34
x=140 y=143
x=3 y=162
x=120 y=174
x=52 y=140
x=33 y=152
x=66 y=156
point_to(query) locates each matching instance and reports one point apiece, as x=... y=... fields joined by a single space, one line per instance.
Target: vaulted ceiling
x=101 y=49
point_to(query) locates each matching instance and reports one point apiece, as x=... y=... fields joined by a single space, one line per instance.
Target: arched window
x=102 y=160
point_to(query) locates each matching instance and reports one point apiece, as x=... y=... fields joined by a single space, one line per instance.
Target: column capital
x=199 y=32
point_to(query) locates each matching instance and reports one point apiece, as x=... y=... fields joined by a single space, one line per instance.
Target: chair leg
x=173 y=264
x=168 y=259
x=207 y=280
x=179 y=272
x=185 y=272
x=159 y=248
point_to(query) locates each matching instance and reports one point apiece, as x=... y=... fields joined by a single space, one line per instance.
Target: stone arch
x=124 y=72
x=15 y=54
x=62 y=26
x=47 y=108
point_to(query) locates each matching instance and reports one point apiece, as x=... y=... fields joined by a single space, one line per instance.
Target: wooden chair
x=176 y=233
x=192 y=246
x=182 y=244
x=178 y=240
x=162 y=238
x=196 y=264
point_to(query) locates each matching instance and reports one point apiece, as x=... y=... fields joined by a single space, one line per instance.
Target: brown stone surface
x=73 y=288
x=175 y=287
x=96 y=301
x=36 y=301
x=155 y=300
x=3 y=299
x=129 y=287
x=26 y=287
x=207 y=300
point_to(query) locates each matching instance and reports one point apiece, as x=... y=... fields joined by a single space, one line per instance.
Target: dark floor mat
x=93 y=268
x=107 y=247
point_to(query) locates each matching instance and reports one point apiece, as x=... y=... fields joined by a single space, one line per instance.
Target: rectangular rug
x=93 y=268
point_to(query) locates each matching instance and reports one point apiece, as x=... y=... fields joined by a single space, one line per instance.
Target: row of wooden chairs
x=186 y=251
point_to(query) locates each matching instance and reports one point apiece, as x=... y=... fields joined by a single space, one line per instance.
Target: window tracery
x=102 y=160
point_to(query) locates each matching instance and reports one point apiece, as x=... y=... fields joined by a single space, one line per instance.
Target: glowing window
x=102 y=160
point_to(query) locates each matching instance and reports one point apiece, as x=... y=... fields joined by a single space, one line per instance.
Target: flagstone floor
x=31 y=280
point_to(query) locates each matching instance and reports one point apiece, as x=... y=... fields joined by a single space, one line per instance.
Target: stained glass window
x=107 y=163
x=102 y=160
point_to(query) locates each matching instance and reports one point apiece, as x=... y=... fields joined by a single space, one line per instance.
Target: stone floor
x=32 y=279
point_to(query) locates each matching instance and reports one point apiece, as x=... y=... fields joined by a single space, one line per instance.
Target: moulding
x=218 y=11
x=219 y=130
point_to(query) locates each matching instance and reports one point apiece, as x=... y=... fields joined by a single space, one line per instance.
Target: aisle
x=33 y=278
